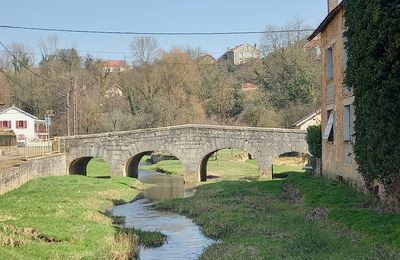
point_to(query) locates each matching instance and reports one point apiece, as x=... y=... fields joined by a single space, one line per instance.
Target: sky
x=150 y=16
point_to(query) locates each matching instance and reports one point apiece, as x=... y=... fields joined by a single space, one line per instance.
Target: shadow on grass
x=101 y=177
x=282 y=175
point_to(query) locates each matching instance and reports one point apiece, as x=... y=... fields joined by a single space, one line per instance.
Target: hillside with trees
x=162 y=87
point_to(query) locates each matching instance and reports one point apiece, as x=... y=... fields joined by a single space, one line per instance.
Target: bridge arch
x=206 y=156
x=79 y=165
x=132 y=164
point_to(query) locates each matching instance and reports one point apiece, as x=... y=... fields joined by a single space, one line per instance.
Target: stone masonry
x=192 y=144
x=12 y=178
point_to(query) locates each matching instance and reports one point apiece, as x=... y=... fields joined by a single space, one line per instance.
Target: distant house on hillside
x=240 y=54
x=115 y=65
x=248 y=86
x=312 y=119
x=25 y=126
x=206 y=59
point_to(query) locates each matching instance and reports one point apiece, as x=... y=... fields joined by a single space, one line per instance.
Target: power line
x=152 y=33
x=24 y=65
x=11 y=80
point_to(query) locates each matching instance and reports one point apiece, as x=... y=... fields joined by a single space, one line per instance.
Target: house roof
x=306 y=118
x=206 y=58
x=115 y=63
x=4 y=110
x=327 y=20
x=237 y=47
x=240 y=45
x=313 y=43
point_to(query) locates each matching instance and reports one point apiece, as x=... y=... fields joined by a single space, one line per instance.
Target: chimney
x=227 y=48
x=255 y=45
x=332 y=5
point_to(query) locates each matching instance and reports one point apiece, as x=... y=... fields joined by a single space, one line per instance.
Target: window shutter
x=328 y=127
x=346 y=124
x=9 y=124
x=329 y=63
x=25 y=124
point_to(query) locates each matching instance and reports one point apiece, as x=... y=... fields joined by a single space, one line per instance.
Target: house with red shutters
x=25 y=126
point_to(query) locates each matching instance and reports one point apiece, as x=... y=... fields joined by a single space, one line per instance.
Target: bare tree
x=48 y=46
x=274 y=41
x=145 y=49
x=21 y=56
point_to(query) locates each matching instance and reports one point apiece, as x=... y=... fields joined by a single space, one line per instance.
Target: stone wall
x=192 y=144
x=12 y=178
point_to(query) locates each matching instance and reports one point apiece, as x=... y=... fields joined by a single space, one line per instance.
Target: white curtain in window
x=329 y=126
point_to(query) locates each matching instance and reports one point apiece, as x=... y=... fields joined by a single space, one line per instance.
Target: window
x=328 y=133
x=241 y=55
x=5 y=124
x=21 y=137
x=344 y=54
x=347 y=123
x=21 y=124
x=329 y=63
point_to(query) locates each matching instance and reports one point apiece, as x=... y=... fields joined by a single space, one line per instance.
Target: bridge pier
x=265 y=167
x=190 y=172
x=265 y=173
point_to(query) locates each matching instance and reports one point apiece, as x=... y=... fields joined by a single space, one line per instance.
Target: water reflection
x=184 y=238
x=165 y=187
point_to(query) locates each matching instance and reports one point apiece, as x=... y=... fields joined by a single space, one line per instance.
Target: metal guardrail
x=42 y=147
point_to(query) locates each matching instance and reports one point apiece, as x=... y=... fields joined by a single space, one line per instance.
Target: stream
x=184 y=238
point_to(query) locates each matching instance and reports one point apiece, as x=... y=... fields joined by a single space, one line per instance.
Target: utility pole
x=68 y=120
x=75 y=107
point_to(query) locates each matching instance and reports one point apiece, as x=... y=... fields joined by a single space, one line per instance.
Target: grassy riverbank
x=67 y=217
x=298 y=217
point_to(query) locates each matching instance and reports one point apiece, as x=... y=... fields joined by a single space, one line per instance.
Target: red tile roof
x=115 y=64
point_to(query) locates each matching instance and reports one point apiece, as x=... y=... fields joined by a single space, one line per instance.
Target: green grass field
x=67 y=218
x=295 y=218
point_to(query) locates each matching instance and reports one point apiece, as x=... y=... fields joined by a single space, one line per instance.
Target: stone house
x=337 y=110
x=240 y=54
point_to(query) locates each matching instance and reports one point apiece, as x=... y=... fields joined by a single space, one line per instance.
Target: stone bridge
x=192 y=144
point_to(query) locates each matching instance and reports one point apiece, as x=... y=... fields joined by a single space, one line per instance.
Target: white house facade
x=240 y=54
x=25 y=126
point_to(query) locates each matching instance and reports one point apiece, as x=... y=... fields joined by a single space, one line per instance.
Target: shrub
x=314 y=140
